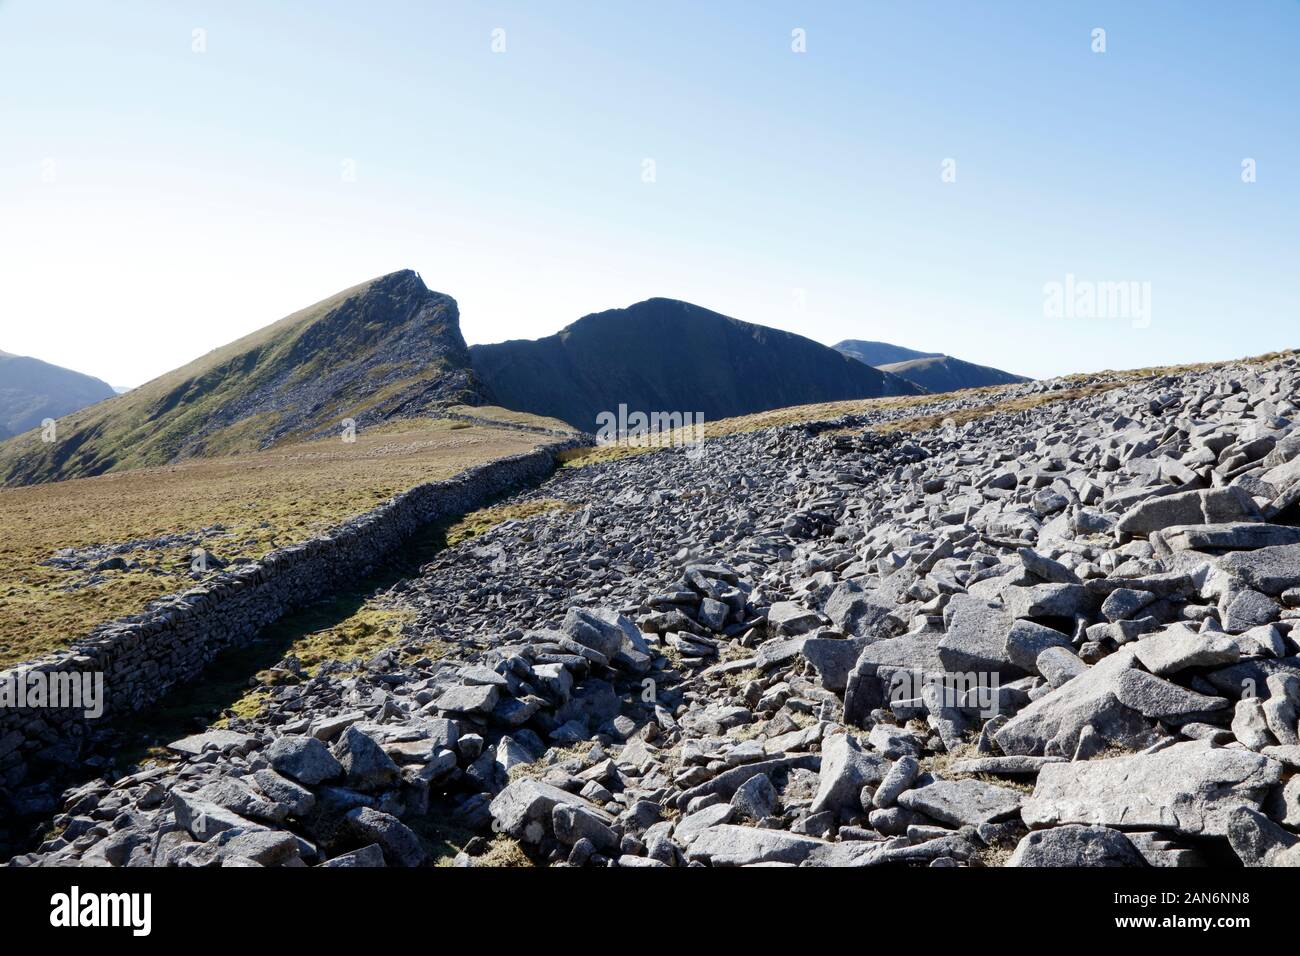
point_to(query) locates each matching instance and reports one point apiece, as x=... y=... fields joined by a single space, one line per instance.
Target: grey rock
x=1160 y=699
x=897 y=779
x=1250 y=726
x=305 y=759
x=400 y=845
x=1019 y=766
x=469 y=699
x=368 y=856
x=1267 y=570
x=1075 y=845
x=572 y=822
x=791 y=618
x=204 y=819
x=754 y=799
x=297 y=801
x=1190 y=507
x=1189 y=787
x=963 y=802
x=529 y=801
x=1051 y=725
x=220 y=740
x=833 y=659
x=1256 y=839
x=845 y=769
x=1178 y=648
x=730 y=845
x=1050 y=600
x=693 y=824
x=976 y=640
x=1026 y=640
x=1059 y=665
x=364 y=762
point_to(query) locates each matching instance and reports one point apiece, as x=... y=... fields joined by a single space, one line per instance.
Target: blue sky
x=156 y=202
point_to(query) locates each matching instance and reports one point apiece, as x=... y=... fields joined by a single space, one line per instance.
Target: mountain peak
x=666 y=355
x=386 y=348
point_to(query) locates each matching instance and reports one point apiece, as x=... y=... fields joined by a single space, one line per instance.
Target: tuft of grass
x=551 y=759
x=504 y=852
x=485 y=519
x=361 y=635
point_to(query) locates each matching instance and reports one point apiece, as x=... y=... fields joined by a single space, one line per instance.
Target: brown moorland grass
x=264 y=500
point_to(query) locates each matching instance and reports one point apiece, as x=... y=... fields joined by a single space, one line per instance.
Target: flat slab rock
x=1190 y=788
x=222 y=740
x=963 y=802
x=730 y=845
x=1005 y=766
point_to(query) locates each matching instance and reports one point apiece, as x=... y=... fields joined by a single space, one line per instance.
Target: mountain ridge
x=943 y=373
x=664 y=354
x=933 y=371
x=876 y=354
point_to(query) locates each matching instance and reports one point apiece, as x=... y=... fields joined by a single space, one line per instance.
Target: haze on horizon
x=175 y=176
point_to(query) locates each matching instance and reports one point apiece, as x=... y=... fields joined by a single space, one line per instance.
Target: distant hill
x=663 y=355
x=32 y=391
x=933 y=371
x=944 y=373
x=877 y=354
x=388 y=348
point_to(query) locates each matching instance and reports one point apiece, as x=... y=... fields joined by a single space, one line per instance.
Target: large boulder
x=976 y=641
x=367 y=767
x=730 y=845
x=833 y=659
x=304 y=759
x=1052 y=724
x=400 y=845
x=1212 y=506
x=1075 y=845
x=525 y=809
x=963 y=802
x=845 y=769
x=1190 y=788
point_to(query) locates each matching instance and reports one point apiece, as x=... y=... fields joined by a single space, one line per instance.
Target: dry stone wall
x=143 y=656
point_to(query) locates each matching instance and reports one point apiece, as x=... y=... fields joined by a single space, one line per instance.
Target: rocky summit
x=1062 y=634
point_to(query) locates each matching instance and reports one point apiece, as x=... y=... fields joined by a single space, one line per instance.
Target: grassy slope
x=197 y=407
x=265 y=500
